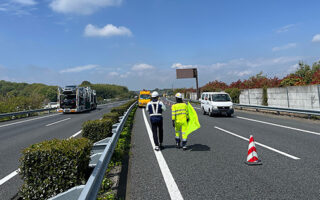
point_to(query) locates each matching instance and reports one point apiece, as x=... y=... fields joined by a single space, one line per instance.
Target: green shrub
x=265 y=96
x=96 y=130
x=120 y=109
x=113 y=116
x=51 y=167
x=234 y=94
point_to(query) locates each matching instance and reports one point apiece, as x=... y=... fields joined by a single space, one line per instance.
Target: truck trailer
x=74 y=99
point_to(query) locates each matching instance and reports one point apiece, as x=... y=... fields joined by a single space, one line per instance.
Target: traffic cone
x=252 y=158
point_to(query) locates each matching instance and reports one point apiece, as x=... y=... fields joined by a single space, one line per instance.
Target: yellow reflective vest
x=180 y=112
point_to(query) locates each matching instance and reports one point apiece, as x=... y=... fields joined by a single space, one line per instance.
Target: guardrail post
x=288 y=97
x=318 y=86
x=249 y=96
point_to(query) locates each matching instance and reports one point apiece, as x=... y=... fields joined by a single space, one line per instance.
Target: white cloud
x=142 y=67
x=79 y=68
x=25 y=2
x=113 y=74
x=316 y=38
x=82 y=7
x=285 y=28
x=125 y=75
x=106 y=31
x=240 y=73
x=181 y=66
x=292 y=68
x=284 y=47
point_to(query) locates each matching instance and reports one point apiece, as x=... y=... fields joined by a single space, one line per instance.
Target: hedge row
x=51 y=167
x=99 y=129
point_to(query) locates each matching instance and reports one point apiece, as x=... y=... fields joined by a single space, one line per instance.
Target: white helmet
x=179 y=95
x=154 y=94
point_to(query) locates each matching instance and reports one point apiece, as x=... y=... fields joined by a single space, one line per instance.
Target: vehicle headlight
x=231 y=106
x=214 y=107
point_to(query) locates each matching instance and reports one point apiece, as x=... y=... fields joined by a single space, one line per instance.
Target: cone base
x=258 y=162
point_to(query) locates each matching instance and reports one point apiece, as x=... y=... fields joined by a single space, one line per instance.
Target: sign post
x=189 y=73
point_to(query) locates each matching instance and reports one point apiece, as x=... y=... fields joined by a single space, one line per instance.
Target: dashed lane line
x=28 y=120
x=278 y=125
x=265 y=146
x=172 y=187
x=10 y=176
x=58 y=122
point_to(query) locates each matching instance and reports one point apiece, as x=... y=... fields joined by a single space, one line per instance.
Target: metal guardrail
x=27 y=112
x=279 y=109
x=91 y=189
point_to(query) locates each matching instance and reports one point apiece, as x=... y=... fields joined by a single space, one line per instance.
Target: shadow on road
x=198 y=147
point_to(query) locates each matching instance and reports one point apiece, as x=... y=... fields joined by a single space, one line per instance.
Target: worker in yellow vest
x=180 y=117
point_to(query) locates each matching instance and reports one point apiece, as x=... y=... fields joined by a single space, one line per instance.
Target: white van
x=216 y=103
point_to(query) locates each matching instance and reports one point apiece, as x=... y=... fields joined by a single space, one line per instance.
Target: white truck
x=74 y=99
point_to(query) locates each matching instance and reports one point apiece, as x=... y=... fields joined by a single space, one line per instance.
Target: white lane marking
x=29 y=120
x=265 y=146
x=278 y=125
x=10 y=176
x=58 y=122
x=74 y=135
x=172 y=187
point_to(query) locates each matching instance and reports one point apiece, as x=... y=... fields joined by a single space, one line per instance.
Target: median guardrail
x=276 y=109
x=26 y=112
x=91 y=189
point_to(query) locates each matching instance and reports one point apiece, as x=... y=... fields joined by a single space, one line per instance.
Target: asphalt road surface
x=213 y=166
x=16 y=135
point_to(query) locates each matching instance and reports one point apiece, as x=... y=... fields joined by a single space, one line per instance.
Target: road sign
x=189 y=73
x=186 y=73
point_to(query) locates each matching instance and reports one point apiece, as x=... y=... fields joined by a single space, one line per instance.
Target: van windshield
x=220 y=97
x=144 y=96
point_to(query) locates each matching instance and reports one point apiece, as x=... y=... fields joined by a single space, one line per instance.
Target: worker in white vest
x=155 y=108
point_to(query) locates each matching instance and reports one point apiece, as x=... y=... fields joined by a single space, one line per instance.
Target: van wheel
x=203 y=111
x=229 y=115
x=210 y=113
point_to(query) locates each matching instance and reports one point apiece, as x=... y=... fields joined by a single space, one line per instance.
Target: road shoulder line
x=172 y=187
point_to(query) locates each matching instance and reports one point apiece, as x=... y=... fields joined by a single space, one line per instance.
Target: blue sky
x=139 y=43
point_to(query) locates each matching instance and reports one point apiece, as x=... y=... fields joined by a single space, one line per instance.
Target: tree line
x=303 y=75
x=16 y=97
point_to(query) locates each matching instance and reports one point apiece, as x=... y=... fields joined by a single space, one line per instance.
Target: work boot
x=184 y=145
x=178 y=145
x=157 y=148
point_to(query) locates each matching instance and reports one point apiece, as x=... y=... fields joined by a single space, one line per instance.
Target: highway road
x=16 y=135
x=213 y=166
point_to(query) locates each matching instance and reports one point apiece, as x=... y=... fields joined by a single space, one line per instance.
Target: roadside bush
x=234 y=94
x=96 y=130
x=265 y=96
x=51 y=167
x=113 y=116
x=120 y=109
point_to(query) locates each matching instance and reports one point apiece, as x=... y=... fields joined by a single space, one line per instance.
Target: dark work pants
x=155 y=127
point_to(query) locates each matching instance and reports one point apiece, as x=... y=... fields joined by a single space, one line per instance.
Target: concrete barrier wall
x=251 y=97
x=277 y=97
x=300 y=97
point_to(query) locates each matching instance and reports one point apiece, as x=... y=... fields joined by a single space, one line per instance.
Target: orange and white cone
x=252 y=158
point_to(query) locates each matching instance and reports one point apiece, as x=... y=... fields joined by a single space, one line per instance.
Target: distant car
x=52 y=105
x=213 y=103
